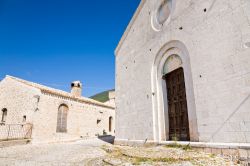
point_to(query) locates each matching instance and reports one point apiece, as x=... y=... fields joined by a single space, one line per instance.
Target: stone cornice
x=76 y=99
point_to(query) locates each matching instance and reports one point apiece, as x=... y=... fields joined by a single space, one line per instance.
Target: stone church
x=183 y=72
x=51 y=115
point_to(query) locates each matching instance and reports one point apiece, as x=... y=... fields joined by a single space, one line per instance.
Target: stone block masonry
x=28 y=102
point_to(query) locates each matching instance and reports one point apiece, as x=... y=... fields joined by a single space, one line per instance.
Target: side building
x=51 y=115
x=107 y=97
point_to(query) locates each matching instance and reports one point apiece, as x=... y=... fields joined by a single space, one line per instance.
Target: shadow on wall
x=107 y=138
x=229 y=117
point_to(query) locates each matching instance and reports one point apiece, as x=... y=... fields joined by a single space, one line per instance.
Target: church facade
x=183 y=72
x=45 y=114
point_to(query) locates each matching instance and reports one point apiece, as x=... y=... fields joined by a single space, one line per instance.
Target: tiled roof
x=58 y=92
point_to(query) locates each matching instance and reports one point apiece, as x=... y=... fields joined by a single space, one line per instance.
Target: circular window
x=247 y=45
x=162 y=14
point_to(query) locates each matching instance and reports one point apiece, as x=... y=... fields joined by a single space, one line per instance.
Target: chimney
x=76 y=88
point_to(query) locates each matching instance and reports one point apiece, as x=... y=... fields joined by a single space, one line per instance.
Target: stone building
x=183 y=72
x=111 y=96
x=107 y=97
x=55 y=115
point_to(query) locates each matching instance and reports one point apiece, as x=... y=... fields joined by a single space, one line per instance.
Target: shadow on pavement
x=107 y=138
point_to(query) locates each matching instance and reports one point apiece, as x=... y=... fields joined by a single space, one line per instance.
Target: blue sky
x=54 y=42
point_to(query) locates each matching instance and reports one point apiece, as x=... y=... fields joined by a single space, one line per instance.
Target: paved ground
x=95 y=152
x=75 y=153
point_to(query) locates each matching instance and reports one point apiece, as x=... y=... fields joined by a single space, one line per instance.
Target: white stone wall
x=218 y=45
x=111 y=100
x=21 y=99
x=81 y=121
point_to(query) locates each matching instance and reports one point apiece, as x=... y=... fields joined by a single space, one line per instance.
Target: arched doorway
x=177 y=105
x=174 y=109
x=62 y=119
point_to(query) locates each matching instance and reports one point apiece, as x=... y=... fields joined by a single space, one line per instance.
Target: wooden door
x=177 y=106
x=62 y=119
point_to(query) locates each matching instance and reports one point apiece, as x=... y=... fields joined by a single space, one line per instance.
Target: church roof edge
x=125 y=34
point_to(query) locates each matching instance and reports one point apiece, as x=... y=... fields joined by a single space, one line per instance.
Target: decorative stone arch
x=160 y=101
x=62 y=117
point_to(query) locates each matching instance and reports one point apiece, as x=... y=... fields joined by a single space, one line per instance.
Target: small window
x=110 y=123
x=24 y=118
x=4 y=115
x=164 y=11
x=162 y=14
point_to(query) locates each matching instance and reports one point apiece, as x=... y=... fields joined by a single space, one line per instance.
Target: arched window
x=4 y=115
x=24 y=118
x=62 y=119
x=110 y=123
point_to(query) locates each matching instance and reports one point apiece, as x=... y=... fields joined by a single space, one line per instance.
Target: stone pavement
x=95 y=152
x=73 y=153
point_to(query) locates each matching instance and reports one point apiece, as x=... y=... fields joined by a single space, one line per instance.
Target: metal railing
x=15 y=131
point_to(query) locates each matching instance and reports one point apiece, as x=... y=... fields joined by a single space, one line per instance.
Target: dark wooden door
x=177 y=106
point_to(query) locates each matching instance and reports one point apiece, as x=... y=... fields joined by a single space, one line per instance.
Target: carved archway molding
x=160 y=102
